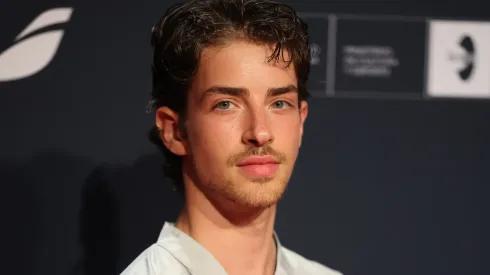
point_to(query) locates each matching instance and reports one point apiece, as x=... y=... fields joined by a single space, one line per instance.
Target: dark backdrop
x=388 y=181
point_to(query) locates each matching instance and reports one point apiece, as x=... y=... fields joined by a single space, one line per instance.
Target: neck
x=240 y=239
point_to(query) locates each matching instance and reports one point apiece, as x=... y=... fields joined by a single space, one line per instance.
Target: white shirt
x=176 y=253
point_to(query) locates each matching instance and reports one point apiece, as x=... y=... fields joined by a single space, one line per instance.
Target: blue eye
x=281 y=104
x=223 y=105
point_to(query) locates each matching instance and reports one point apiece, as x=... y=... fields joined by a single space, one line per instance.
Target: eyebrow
x=244 y=92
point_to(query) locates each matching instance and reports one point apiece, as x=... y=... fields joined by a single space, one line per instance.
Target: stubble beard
x=238 y=195
x=254 y=194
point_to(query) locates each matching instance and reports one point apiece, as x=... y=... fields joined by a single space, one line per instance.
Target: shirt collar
x=282 y=263
x=198 y=260
x=188 y=251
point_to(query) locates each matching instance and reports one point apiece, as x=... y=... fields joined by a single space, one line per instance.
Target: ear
x=167 y=121
x=303 y=113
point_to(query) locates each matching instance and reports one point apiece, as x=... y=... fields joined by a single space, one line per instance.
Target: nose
x=258 y=132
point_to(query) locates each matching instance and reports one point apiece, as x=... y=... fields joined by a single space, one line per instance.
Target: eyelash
x=227 y=101
x=285 y=102
x=216 y=105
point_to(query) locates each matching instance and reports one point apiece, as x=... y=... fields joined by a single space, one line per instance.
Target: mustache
x=265 y=150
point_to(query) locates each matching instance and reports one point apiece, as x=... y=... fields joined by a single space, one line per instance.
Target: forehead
x=243 y=64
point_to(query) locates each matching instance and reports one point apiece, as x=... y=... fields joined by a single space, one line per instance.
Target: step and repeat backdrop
x=398 y=57
x=393 y=176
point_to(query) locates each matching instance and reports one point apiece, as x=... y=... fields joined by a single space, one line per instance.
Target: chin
x=256 y=193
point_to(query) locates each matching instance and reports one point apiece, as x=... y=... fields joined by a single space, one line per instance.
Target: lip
x=259 y=167
x=259 y=160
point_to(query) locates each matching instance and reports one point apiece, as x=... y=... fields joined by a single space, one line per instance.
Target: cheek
x=287 y=136
x=213 y=139
x=287 y=128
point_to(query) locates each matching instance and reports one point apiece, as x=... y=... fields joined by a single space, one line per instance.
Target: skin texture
x=239 y=105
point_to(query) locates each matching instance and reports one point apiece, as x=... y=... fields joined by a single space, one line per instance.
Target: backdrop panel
x=392 y=177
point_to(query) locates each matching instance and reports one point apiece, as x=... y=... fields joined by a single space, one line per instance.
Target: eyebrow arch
x=282 y=90
x=233 y=91
x=244 y=92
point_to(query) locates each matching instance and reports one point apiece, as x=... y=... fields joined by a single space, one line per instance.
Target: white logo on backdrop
x=28 y=56
x=459 y=59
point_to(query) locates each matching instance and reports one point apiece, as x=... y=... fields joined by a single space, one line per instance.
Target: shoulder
x=302 y=265
x=155 y=260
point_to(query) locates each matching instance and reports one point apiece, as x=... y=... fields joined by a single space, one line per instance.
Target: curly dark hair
x=187 y=28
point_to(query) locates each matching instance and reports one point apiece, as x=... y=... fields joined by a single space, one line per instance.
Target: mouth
x=259 y=166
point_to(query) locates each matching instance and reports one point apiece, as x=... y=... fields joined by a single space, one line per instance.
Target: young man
x=229 y=89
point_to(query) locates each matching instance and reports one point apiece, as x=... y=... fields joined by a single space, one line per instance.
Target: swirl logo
x=34 y=48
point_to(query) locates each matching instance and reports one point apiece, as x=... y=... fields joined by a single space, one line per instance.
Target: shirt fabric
x=176 y=253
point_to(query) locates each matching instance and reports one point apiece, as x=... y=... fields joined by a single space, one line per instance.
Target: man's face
x=244 y=124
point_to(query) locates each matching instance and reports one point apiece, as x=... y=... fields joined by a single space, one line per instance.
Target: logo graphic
x=468 y=58
x=458 y=59
x=315 y=51
x=34 y=47
x=318 y=39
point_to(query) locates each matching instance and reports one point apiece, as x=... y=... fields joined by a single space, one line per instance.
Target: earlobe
x=167 y=121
